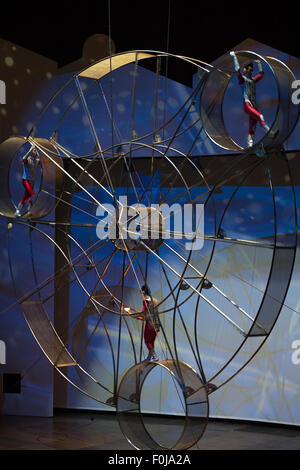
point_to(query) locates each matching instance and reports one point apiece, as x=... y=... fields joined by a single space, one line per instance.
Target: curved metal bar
x=8 y=150
x=43 y=329
x=104 y=67
x=282 y=265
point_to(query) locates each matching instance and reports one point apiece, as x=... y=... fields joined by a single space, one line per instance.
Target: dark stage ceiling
x=180 y=27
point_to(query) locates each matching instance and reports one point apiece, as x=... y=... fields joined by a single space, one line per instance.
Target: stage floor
x=87 y=430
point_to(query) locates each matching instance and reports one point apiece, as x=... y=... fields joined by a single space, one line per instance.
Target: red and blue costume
x=152 y=322
x=249 y=96
x=30 y=164
x=248 y=84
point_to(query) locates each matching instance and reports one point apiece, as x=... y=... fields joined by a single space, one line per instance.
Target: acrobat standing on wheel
x=248 y=82
x=30 y=163
x=149 y=313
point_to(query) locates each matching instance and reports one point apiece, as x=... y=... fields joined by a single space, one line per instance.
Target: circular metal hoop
x=52 y=177
x=212 y=98
x=195 y=402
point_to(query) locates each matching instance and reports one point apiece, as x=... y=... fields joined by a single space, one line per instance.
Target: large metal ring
x=51 y=179
x=195 y=400
x=212 y=98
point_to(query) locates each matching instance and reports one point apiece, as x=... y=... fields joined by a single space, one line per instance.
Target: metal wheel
x=139 y=205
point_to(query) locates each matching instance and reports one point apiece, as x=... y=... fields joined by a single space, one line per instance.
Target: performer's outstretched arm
x=27 y=155
x=260 y=71
x=237 y=67
x=37 y=158
x=139 y=315
x=235 y=61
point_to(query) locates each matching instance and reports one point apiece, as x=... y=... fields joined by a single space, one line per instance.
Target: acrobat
x=249 y=96
x=149 y=312
x=30 y=163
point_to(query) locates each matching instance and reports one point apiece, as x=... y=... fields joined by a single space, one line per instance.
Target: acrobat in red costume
x=30 y=163
x=249 y=97
x=152 y=326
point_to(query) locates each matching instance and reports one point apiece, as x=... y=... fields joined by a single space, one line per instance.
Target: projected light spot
x=9 y=61
x=85 y=121
x=121 y=108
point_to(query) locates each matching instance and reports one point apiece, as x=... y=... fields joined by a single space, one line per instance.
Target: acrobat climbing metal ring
x=213 y=92
x=51 y=177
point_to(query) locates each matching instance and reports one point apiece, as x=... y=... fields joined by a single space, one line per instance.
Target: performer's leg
x=28 y=193
x=258 y=117
x=149 y=337
x=254 y=114
x=254 y=117
x=29 y=187
x=252 y=127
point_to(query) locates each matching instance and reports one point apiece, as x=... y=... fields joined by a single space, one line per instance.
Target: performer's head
x=248 y=69
x=34 y=152
x=145 y=291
